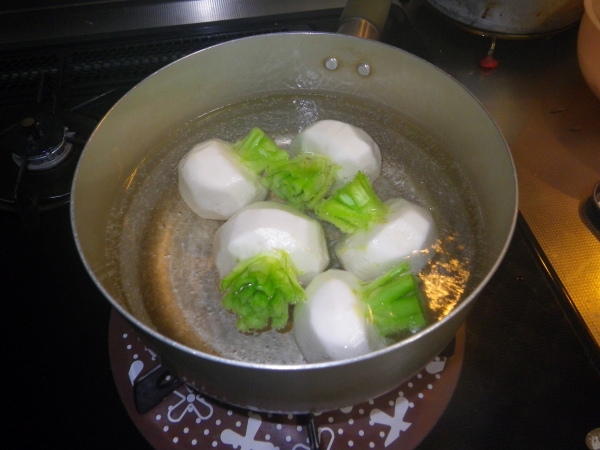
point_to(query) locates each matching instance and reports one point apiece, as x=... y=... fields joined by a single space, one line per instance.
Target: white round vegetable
x=264 y=226
x=408 y=234
x=350 y=147
x=214 y=183
x=331 y=324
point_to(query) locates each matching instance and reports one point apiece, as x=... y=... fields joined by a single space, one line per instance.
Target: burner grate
x=134 y=61
x=22 y=74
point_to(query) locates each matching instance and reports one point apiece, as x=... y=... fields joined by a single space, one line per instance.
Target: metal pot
x=151 y=257
x=508 y=18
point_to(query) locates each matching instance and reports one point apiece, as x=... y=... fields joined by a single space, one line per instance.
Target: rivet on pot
x=364 y=69
x=331 y=63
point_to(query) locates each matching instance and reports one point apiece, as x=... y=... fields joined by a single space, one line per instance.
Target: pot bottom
x=186 y=419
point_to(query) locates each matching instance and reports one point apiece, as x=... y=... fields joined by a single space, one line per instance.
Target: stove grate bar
x=112 y=64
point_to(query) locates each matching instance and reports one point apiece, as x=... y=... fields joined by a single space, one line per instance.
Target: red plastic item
x=489 y=62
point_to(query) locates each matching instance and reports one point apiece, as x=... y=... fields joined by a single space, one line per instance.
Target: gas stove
x=526 y=372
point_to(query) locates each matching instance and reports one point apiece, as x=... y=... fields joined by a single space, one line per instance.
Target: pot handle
x=365 y=18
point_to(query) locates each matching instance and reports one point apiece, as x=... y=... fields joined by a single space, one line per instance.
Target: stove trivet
x=398 y=420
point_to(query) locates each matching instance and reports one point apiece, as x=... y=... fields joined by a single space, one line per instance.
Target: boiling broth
x=161 y=251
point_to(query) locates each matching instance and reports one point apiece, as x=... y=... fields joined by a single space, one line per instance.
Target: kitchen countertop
x=551 y=122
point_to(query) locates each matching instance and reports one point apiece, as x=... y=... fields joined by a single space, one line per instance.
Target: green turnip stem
x=257 y=151
x=302 y=181
x=260 y=289
x=393 y=301
x=355 y=206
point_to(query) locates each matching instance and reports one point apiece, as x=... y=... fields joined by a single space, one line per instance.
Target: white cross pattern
x=247 y=442
x=396 y=423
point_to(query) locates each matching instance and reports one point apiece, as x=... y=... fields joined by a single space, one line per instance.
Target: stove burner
x=40 y=140
x=50 y=145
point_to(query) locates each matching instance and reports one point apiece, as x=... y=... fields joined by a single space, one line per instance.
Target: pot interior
x=162 y=251
x=152 y=256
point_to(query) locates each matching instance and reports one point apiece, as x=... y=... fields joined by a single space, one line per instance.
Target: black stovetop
x=527 y=381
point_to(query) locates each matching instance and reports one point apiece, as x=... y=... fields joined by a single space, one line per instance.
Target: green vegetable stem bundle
x=257 y=151
x=355 y=206
x=302 y=181
x=260 y=290
x=393 y=303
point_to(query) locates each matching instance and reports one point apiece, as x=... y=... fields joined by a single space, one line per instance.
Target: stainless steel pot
x=151 y=257
x=509 y=18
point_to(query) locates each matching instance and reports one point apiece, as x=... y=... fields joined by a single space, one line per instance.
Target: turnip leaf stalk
x=260 y=289
x=355 y=206
x=302 y=181
x=393 y=303
x=257 y=151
